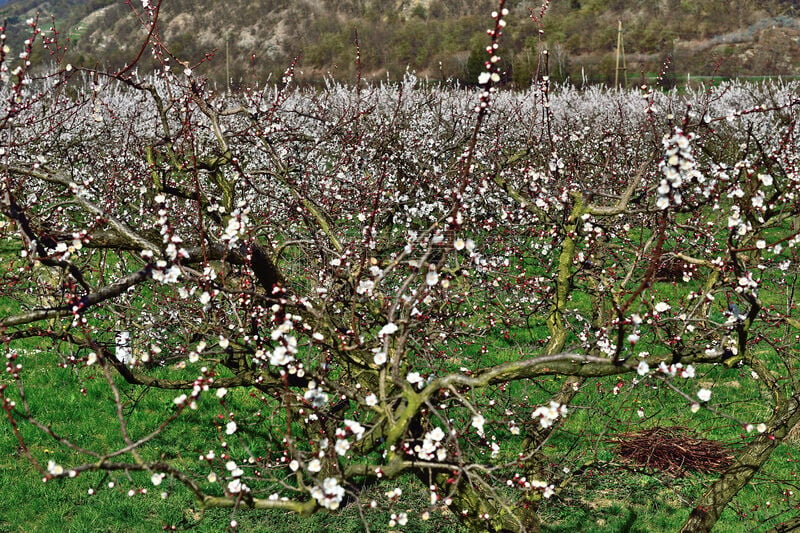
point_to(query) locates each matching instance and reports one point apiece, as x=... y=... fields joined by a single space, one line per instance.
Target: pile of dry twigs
x=673 y=450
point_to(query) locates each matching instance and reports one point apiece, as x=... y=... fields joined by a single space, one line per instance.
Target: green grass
x=29 y=505
x=605 y=498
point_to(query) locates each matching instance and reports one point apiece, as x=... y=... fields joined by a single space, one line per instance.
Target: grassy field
x=603 y=494
x=601 y=498
x=30 y=505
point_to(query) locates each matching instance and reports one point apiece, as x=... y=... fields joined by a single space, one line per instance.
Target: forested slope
x=245 y=40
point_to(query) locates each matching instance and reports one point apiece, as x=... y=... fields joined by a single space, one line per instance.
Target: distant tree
x=475 y=64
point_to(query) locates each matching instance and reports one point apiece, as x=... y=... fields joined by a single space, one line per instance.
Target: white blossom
x=662 y=307
x=547 y=490
x=341 y=446
x=432 y=277
x=236 y=486
x=415 y=378
x=388 y=329
x=678 y=168
x=435 y=434
x=280 y=356
x=547 y=415
x=355 y=428
x=330 y=494
x=54 y=468
x=365 y=286
x=477 y=422
x=704 y=395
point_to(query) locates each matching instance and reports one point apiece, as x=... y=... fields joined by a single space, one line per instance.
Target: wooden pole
x=620 y=59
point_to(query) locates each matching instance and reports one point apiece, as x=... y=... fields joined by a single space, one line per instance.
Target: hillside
x=248 y=40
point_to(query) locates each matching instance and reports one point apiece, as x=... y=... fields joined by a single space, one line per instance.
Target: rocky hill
x=249 y=40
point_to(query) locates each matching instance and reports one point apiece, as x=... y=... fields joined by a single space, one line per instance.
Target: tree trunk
x=484 y=513
x=711 y=504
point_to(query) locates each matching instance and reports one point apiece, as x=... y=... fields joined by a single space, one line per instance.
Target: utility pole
x=228 y=63
x=620 y=56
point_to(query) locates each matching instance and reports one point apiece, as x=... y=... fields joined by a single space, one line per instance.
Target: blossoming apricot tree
x=361 y=283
